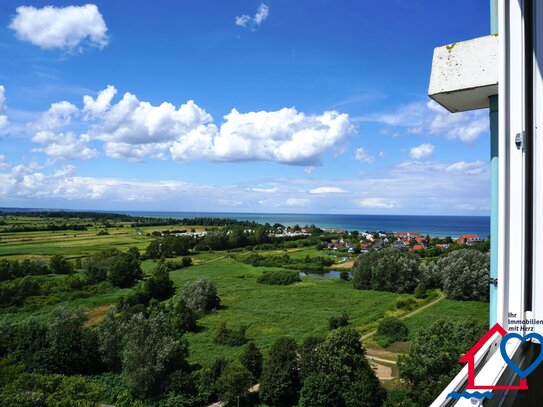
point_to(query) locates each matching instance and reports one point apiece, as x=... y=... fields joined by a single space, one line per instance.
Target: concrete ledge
x=465 y=74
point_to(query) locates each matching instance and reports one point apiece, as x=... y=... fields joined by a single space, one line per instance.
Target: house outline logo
x=469 y=358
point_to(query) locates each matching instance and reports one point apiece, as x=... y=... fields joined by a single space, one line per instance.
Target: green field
x=298 y=310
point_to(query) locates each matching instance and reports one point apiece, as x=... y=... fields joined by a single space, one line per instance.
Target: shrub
x=125 y=270
x=338 y=321
x=201 y=295
x=421 y=291
x=406 y=304
x=279 y=277
x=393 y=329
x=224 y=336
x=59 y=265
x=344 y=275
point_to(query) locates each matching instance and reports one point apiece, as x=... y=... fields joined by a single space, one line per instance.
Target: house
x=379 y=245
x=469 y=358
x=407 y=235
x=443 y=246
x=465 y=238
x=417 y=247
x=400 y=245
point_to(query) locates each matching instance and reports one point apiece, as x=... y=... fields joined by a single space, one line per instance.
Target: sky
x=278 y=106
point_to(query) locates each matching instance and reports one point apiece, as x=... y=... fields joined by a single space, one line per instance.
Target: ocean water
x=440 y=226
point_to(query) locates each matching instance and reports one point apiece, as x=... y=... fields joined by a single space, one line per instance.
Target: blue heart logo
x=522 y=373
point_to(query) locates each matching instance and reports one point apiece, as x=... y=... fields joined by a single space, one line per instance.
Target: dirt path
x=410 y=314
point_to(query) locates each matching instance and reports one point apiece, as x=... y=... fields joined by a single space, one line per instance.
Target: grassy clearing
x=448 y=309
x=298 y=310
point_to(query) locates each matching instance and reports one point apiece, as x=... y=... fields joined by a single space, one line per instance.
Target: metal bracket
x=493 y=281
x=519 y=141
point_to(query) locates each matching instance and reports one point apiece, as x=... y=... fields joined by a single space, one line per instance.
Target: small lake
x=328 y=274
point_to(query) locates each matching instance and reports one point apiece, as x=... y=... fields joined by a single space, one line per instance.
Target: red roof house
x=464 y=238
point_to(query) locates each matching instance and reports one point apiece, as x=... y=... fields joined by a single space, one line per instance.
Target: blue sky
x=237 y=106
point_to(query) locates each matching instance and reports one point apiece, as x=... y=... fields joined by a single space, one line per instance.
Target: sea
x=439 y=226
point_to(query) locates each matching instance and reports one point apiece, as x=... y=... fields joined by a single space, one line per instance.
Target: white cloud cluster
x=132 y=129
x=3 y=115
x=66 y=28
x=423 y=151
x=406 y=185
x=432 y=119
x=63 y=146
x=327 y=190
x=379 y=203
x=59 y=115
x=253 y=22
x=286 y=136
x=362 y=155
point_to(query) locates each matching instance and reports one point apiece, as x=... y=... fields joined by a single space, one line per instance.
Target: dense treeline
x=97 y=216
x=463 y=274
x=47 y=228
x=316 y=263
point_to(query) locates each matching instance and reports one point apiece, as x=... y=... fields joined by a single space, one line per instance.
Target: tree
x=182 y=318
x=342 y=375
x=110 y=334
x=153 y=250
x=387 y=270
x=464 y=274
x=67 y=342
x=433 y=357
x=233 y=382
x=308 y=352
x=339 y=320
x=125 y=270
x=201 y=295
x=59 y=265
x=160 y=285
x=280 y=383
x=151 y=354
x=251 y=359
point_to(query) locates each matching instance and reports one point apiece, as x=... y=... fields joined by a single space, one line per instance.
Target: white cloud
x=297 y=202
x=362 y=155
x=94 y=107
x=432 y=119
x=63 y=146
x=67 y=28
x=285 y=136
x=253 y=22
x=327 y=190
x=3 y=163
x=470 y=168
x=132 y=129
x=423 y=151
x=377 y=203
x=309 y=169
x=265 y=190
x=3 y=116
x=59 y=115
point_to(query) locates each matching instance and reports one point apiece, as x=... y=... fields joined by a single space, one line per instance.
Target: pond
x=327 y=274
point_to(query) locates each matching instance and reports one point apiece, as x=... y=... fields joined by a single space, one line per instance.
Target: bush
x=338 y=321
x=393 y=329
x=420 y=291
x=59 y=265
x=224 y=336
x=406 y=304
x=344 y=275
x=234 y=382
x=201 y=295
x=125 y=270
x=279 y=277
